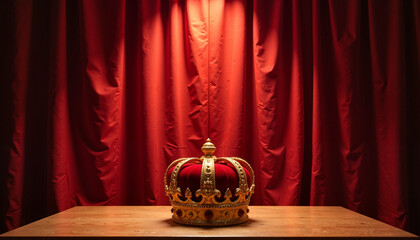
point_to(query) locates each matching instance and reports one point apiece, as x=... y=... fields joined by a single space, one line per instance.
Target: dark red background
x=321 y=97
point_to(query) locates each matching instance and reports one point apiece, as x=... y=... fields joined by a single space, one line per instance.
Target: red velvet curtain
x=321 y=97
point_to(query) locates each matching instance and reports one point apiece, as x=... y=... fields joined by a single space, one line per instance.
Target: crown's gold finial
x=208 y=148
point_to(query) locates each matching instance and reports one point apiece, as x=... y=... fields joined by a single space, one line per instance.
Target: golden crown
x=210 y=209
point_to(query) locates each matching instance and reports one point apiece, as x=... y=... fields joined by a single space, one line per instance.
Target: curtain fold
x=321 y=97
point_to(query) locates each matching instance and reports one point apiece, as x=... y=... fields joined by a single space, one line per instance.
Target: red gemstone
x=179 y=212
x=208 y=215
x=241 y=212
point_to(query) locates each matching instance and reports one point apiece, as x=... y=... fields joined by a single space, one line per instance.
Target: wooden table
x=147 y=222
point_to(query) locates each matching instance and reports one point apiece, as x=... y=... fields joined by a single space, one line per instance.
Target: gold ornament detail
x=210 y=210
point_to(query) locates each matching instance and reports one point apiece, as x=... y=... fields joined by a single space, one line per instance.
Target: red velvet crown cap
x=225 y=173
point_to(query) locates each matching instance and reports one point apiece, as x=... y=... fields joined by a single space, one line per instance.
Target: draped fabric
x=321 y=98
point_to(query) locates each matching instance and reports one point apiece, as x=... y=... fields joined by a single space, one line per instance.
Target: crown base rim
x=209 y=214
x=215 y=223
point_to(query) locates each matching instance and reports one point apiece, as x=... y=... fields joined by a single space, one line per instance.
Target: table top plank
x=154 y=221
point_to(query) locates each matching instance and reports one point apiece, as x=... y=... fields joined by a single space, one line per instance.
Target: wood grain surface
x=153 y=222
